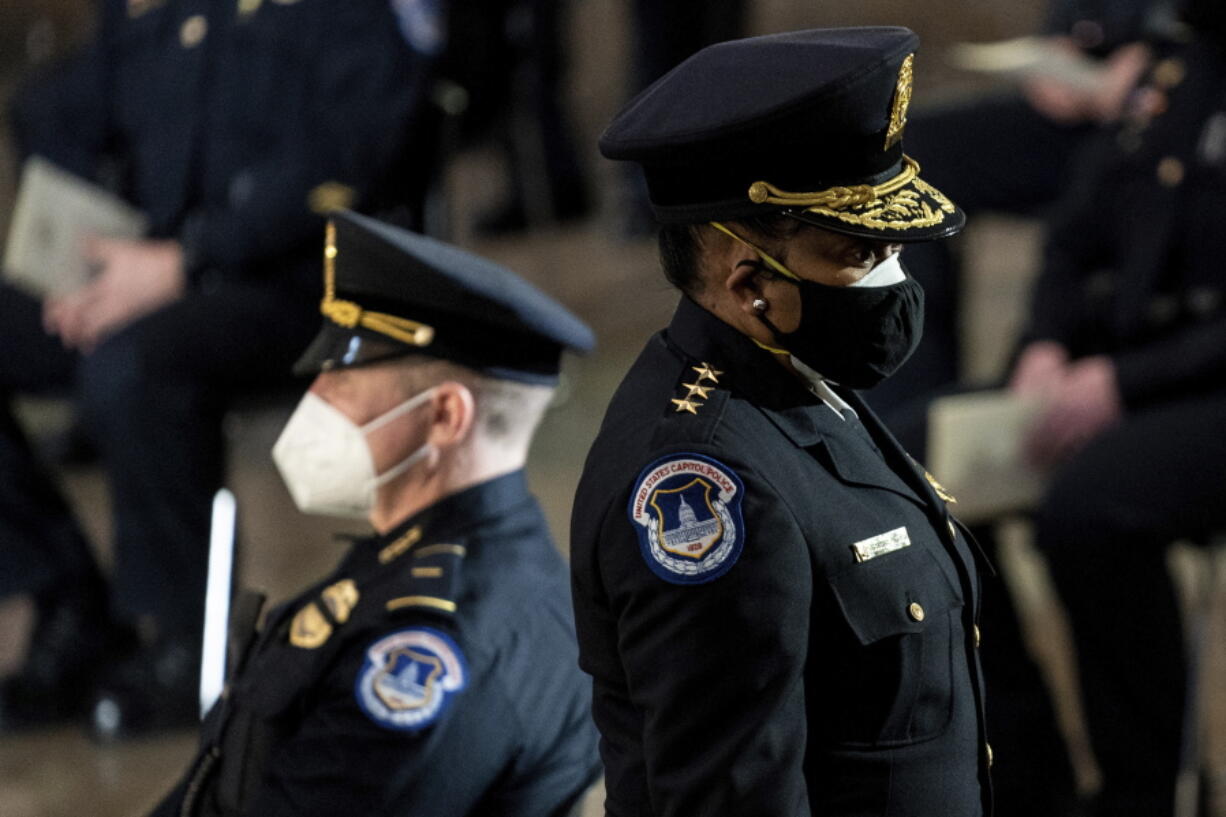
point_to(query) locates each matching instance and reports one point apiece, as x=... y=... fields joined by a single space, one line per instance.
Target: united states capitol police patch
x=686 y=509
x=409 y=677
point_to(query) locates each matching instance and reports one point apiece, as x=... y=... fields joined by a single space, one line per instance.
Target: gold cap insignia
x=309 y=628
x=902 y=100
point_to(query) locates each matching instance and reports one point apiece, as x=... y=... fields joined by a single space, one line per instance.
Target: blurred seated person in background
x=1126 y=347
x=1011 y=152
x=435 y=672
x=512 y=56
x=232 y=126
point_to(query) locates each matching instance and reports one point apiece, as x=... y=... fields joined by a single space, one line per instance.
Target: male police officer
x=232 y=125
x=775 y=606
x=411 y=680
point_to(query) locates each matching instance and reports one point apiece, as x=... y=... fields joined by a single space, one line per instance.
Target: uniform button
x=1169 y=73
x=193 y=31
x=1170 y=171
x=915 y=611
x=988 y=748
x=976 y=636
x=952 y=530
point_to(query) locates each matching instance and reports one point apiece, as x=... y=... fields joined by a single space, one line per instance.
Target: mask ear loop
x=775 y=266
x=399 y=411
x=767 y=259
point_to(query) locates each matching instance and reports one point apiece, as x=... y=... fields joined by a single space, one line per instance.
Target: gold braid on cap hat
x=835 y=198
x=904 y=202
x=351 y=315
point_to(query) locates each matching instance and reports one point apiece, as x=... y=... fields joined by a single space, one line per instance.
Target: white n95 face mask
x=326 y=463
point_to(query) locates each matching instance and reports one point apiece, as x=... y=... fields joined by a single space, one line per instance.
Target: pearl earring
x=760 y=304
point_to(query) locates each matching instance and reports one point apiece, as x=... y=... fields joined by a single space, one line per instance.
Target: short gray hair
x=507 y=411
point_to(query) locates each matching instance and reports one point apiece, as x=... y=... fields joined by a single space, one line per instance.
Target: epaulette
x=697 y=404
x=428 y=580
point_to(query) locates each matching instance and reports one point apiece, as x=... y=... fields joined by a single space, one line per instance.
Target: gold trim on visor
x=351 y=315
x=835 y=197
x=894 y=205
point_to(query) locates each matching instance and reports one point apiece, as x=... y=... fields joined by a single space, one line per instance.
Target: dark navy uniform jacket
x=233 y=124
x=434 y=673
x=816 y=654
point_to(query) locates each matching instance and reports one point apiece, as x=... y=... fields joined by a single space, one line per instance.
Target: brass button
x=988 y=746
x=976 y=636
x=193 y=31
x=1170 y=172
x=1169 y=73
x=915 y=611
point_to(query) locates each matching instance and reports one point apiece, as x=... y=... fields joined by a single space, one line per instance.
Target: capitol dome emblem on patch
x=409 y=678
x=686 y=509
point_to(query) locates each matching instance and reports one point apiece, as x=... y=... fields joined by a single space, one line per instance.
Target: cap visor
x=337 y=347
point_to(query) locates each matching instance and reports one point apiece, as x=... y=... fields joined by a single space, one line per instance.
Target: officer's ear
x=733 y=268
x=453 y=414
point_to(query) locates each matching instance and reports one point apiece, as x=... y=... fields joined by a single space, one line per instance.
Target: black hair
x=680 y=245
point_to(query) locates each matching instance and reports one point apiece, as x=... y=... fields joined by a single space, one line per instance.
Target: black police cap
x=389 y=292
x=807 y=123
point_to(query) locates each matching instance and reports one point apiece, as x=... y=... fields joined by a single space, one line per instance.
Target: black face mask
x=856 y=336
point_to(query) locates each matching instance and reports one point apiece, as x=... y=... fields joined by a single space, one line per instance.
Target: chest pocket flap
x=895 y=594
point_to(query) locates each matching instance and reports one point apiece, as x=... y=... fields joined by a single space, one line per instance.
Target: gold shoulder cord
x=351 y=315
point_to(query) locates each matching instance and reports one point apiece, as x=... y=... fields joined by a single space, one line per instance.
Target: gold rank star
x=701 y=391
x=686 y=405
x=705 y=372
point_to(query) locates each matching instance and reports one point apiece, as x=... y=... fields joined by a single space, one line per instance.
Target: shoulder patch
x=409 y=678
x=686 y=509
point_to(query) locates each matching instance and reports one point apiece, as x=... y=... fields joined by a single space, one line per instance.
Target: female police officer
x=776 y=609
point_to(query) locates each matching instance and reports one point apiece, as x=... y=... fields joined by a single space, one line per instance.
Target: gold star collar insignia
x=697 y=390
x=685 y=404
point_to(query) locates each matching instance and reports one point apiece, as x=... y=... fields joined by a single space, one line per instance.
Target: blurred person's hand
x=134 y=279
x=1039 y=368
x=1082 y=403
x=1103 y=101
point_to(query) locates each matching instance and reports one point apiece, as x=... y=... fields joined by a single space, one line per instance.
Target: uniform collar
x=460 y=512
x=747 y=369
